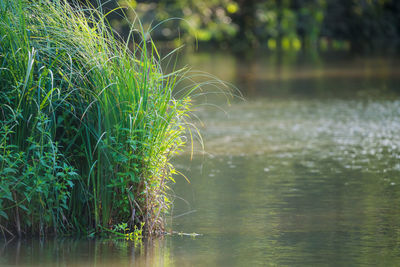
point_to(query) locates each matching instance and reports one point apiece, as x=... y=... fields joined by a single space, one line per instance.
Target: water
x=305 y=172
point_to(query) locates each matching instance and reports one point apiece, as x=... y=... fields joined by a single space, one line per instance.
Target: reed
x=88 y=125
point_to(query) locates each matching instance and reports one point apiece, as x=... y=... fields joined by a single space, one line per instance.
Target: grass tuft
x=87 y=126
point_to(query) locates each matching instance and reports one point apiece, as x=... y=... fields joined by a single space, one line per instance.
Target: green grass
x=88 y=125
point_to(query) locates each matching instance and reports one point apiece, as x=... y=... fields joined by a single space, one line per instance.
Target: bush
x=87 y=125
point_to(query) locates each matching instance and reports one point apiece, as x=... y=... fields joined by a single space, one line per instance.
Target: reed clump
x=87 y=125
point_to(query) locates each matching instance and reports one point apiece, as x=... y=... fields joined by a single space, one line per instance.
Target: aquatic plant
x=88 y=123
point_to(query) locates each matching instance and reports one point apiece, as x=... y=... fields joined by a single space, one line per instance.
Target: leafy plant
x=88 y=125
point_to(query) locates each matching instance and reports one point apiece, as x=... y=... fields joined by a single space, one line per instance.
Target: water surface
x=304 y=172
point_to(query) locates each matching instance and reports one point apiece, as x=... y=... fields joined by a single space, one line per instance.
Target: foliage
x=276 y=24
x=123 y=228
x=87 y=125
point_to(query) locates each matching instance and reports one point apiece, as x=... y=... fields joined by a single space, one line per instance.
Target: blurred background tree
x=359 y=25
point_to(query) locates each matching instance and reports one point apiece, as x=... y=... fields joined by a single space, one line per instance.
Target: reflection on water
x=69 y=252
x=331 y=129
x=296 y=76
x=305 y=172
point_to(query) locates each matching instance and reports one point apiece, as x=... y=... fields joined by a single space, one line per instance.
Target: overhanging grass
x=87 y=125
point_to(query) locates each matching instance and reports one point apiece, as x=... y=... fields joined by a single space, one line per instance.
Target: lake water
x=304 y=172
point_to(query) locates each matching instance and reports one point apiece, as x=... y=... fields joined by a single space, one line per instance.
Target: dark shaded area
x=367 y=24
x=359 y=26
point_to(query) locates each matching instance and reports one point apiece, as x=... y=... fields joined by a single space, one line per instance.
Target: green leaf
x=22 y=206
x=27 y=196
x=70 y=183
x=2 y=213
x=9 y=170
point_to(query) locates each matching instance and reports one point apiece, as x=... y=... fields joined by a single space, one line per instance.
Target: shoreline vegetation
x=88 y=124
